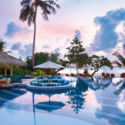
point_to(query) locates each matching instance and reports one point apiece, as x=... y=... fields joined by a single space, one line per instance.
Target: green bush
x=20 y=71
x=38 y=73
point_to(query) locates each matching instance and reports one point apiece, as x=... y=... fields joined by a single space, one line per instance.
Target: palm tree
x=2 y=47
x=29 y=12
x=121 y=59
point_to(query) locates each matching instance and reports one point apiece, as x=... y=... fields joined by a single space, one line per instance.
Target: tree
x=2 y=47
x=77 y=95
x=98 y=62
x=29 y=12
x=41 y=57
x=76 y=54
x=54 y=57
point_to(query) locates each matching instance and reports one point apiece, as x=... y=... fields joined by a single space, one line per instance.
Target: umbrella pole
x=34 y=109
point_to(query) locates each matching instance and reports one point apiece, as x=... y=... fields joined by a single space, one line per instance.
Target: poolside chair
x=8 y=81
x=5 y=82
x=108 y=74
x=105 y=76
x=66 y=74
x=112 y=75
x=58 y=74
x=80 y=74
x=84 y=75
x=89 y=76
x=72 y=75
x=122 y=75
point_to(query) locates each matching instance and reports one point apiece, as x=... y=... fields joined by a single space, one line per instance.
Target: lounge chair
x=89 y=76
x=105 y=76
x=84 y=75
x=123 y=75
x=58 y=74
x=66 y=74
x=72 y=75
x=112 y=75
x=108 y=74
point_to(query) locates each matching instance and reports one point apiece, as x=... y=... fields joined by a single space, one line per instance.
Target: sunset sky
x=99 y=24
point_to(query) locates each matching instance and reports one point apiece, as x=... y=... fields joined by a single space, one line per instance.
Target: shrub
x=20 y=71
x=38 y=73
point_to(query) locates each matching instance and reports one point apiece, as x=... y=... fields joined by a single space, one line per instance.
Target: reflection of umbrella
x=49 y=65
x=49 y=106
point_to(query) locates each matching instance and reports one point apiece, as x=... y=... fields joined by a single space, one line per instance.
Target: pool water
x=89 y=102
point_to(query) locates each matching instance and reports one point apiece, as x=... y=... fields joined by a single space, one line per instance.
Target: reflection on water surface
x=90 y=101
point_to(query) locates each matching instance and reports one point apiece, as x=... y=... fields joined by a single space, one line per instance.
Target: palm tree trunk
x=34 y=37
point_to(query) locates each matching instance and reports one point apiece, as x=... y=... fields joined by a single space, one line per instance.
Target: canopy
x=49 y=65
x=87 y=67
x=6 y=59
x=49 y=106
x=104 y=68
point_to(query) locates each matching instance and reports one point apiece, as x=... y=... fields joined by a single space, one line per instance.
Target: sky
x=99 y=24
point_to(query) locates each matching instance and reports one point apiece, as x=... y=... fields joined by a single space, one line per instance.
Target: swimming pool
x=89 y=102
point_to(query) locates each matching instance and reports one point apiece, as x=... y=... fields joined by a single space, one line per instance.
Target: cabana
x=7 y=61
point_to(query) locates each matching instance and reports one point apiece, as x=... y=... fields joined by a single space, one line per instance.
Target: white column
x=11 y=71
x=5 y=71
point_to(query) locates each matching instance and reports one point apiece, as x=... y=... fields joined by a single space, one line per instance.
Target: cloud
x=26 y=51
x=106 y=37
x=16 y=46
x=46 y=47
x=57 y=50
x=67 y=41
x=13 y=29
x=23 y=51
x=78 y=34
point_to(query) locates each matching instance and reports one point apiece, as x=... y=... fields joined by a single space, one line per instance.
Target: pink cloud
x=55 y=30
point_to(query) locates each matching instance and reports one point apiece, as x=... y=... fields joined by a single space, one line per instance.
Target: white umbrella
x=49 y=65
x=104 y=68
x=87 y=67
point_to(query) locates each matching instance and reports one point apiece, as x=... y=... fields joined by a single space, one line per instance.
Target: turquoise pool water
x=89 y=102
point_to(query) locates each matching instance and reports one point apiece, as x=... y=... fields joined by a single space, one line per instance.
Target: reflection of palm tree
x=111 y=113
x=29 y=13
x=120 y=89
x=76 y=96
x=100 y=84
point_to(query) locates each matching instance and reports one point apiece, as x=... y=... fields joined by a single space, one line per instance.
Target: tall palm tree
x=29 y=12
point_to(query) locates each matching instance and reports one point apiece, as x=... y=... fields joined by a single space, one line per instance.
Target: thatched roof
x=6 y=59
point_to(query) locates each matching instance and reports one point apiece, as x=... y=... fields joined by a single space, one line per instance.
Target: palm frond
x=47 y=8
x=117 y=63
x=120 y=57
x=27 y=14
